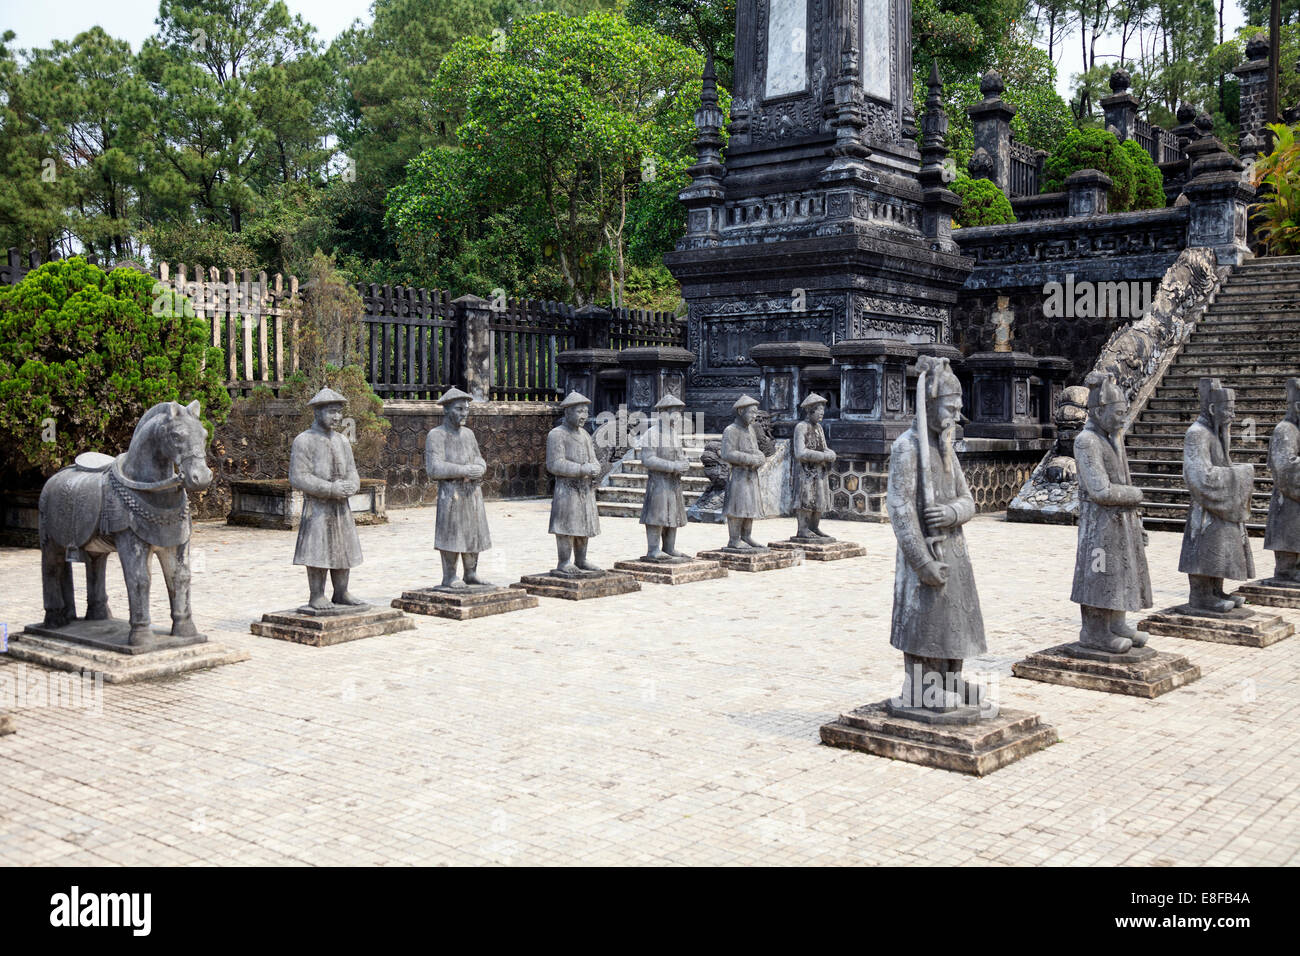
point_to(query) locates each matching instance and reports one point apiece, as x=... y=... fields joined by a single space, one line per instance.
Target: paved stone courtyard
x=677 y=725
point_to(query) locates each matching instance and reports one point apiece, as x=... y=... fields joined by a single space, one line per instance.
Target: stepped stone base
x=659 y=572
x=1271 y=592
x=7 y=725
x=464 y=604
x=978 y=747
x=1239 y=626
x=596 y=585
x=336 y=625
x=100 y=647
x=1142 y=672
x=753 y=560
x=819 y=549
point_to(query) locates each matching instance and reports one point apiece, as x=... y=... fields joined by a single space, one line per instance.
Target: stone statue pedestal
x=664 y=572
x=101 y=648
x=753 y=560
x=464 y=604
x=332 y=625
x=1270 y=592
x=820 y=549
x=1238 y=626
x=976 y=746
x=582 y=587
x=1141 y=672
x=6 y=725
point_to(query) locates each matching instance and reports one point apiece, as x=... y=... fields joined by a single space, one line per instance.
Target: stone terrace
x=676 y=725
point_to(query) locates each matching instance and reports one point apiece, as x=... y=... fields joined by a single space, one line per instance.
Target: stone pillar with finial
x=991 y=119
x=1253 y=75
x=704 y=198
x=939 y=203
x=1121 y=107
x=1220 y=200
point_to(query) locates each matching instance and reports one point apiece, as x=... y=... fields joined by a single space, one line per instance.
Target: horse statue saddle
x=94 y=461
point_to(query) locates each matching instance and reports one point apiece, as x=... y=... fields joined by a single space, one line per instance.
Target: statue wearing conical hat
x=1215 y=545
x=811 y=460
x=453 y=460
x=664 y=457
x=1110 y=567
x=1282 y=535
x=571 y=458
x=936 y=620
x=742 y=502
x=322 y=468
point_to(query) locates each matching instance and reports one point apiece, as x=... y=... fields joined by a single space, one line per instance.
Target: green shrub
x=1149 y=191
x=982 y=203
x=1277 y=214
x=1094 y=149
x=84 y=353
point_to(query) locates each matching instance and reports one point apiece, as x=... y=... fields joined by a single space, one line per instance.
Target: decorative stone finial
x=1204 y=124
x=1186 y=113
x=1257 y=47
x=991 y=84
x=1120 y=81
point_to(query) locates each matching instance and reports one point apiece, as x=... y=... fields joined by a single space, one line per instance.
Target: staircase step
x=623 y=479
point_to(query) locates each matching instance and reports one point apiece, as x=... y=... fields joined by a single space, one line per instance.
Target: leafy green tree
x=84 y=353
x=962 y=35
x=706 y=26
x=982 y=203
x=1148 y=182
x=1094 y=149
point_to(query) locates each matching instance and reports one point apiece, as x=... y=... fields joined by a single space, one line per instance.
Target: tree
x=706 y=26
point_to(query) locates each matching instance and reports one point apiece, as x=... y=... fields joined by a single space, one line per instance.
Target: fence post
x=1121 y=107
x=1088 y=191
x=991 y=119
x=473 y=316
x=1254 y=94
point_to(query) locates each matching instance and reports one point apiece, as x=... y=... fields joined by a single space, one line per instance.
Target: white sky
x=37 y=23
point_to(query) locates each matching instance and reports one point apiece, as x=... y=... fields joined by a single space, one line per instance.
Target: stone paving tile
x=670 y=726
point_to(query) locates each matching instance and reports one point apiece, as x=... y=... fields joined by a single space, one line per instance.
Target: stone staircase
x=1249 y=338
x=624 y=491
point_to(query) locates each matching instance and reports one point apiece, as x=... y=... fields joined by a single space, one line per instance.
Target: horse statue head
x=170 y=447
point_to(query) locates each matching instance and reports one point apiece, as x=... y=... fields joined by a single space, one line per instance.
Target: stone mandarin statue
x=452 y=458
x=813 y=459
x=1110 y=568
x=322 y=468
x=571 y=458
x=936 y=617
x=1215 y=545
x=1282 y=535
x=664 y=509
x=743 y=501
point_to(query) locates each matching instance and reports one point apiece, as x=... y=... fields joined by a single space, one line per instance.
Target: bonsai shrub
x=1149 y=185
x=1094 y=149
x=84 y=353
x=1277 y=214
x=982 y=203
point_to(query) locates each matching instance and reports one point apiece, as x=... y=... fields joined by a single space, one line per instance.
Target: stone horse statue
x=135 y=504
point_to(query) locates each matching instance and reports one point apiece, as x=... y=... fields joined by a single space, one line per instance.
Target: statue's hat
x=1292 y=390
x=1102 y=389
x=327 y=396
x=1211 y=391
x=744 y=402
x=454 y=394
x=669 y=401
x=940 y=379
x=573 y=398
x=812 y=399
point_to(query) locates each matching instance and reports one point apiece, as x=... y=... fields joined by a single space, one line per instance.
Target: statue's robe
x=931 y=621
x=461 y=526
x=812 y=486
x=573 y=505
x=740 y=450
x=1283 y=530
x=1214 y=541
x=1110 y=566
x=327 y=535
x=664 y=505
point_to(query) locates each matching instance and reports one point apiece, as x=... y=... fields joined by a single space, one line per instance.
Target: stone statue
x=664 y=509
x=812 y=464
x=322 y=468
x=452 y=458
x=571 y=458
x=936 y=617
x=1215 y=545
x=135 y=504
x=1003 y=325
x=1110 y=567
x=743 y=502
x=1282 y=536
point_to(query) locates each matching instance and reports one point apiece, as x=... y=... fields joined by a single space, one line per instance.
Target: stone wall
x=511 y=435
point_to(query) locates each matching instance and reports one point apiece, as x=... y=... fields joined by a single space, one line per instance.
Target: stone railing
x=1026 y=170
